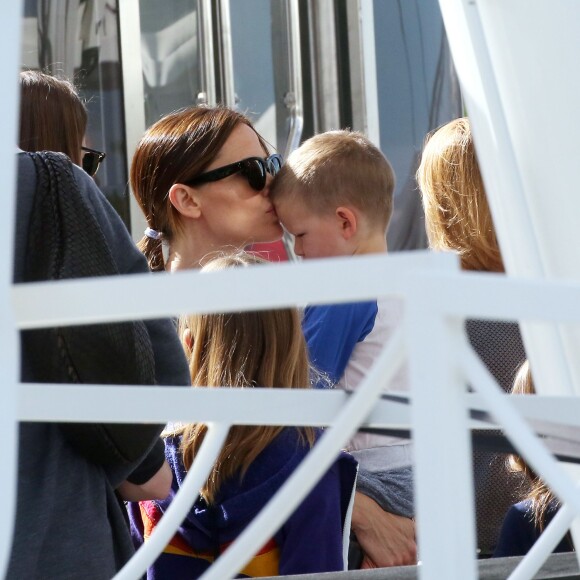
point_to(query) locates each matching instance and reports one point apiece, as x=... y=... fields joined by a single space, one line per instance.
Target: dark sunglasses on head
x=92 y=159
x=254 y=169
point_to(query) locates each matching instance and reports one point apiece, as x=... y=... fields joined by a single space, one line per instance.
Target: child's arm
x=332 y=332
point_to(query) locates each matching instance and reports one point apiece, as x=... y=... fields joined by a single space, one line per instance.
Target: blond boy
x=335 y=196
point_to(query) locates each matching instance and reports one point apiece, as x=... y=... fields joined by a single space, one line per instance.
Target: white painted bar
x=329 y=281
x=117 y=404
x=442 y=471
x=9 y=341
x=498 y=297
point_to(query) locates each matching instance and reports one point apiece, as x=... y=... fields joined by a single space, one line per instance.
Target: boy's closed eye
x=295 y=235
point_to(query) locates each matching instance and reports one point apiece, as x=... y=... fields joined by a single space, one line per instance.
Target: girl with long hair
x=527 y=519
x=262 y=349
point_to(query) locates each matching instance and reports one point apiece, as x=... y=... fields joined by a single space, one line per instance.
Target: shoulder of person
x=350 y=313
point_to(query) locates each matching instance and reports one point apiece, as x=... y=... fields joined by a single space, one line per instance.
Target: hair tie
x=153 y=234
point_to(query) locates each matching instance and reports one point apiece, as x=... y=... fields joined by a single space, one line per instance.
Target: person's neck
x=191 y=250
x=375 y=244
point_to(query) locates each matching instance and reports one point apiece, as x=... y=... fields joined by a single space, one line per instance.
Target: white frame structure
x=438 y=298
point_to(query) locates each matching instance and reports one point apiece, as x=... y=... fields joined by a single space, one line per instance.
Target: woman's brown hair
x=456 y=210
x=262 y=349
x=52 y=115
x=176 y=149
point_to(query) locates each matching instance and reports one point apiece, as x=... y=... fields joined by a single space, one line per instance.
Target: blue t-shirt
x=332 y=332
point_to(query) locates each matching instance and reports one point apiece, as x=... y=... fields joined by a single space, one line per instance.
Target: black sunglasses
x=254 y=169
x=92 y=159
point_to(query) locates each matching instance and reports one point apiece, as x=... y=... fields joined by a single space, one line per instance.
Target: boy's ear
x=187 y=338
x=347 y=221
x=184 y=200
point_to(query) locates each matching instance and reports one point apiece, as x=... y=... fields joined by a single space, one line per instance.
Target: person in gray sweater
x=69 y=520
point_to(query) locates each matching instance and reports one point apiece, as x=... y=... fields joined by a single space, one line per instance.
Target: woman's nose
x=266 y=190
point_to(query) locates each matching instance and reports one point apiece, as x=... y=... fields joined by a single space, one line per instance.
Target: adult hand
x=385 y=538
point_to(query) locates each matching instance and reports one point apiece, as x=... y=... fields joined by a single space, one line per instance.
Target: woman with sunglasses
x=201 y=177
x=54 y=118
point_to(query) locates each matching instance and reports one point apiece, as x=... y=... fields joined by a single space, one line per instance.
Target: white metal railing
x=437 y=299
x=65 y=303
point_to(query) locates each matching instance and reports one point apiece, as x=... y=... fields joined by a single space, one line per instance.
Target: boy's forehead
x=291 y=208
x=284 y=197
x=290 y=205
x=294 y=213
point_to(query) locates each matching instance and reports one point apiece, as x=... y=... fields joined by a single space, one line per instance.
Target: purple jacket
x=311 y=540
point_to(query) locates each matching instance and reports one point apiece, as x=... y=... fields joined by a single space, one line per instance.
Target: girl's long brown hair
x=262 y=349
x=176 y=149
x=539 y=494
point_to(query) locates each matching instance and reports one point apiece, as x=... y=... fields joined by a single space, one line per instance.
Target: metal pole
x=208 y=95
x=10 y=43
x=227 y=64
x=294 y=99
x=133 y=96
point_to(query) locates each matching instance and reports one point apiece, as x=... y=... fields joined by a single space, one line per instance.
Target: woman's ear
x=188 y=338
x=347 y=222
x=184 y=199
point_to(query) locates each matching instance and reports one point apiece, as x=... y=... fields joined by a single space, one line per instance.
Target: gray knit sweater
x=69 y=523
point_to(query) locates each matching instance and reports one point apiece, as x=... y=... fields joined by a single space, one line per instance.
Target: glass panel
x=252 y=49
x=253 y=27
x=418 y=91
x=170 y=53
x=78 y=39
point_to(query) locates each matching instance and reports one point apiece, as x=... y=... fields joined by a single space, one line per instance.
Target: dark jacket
x=311 y=540
x=68 y=521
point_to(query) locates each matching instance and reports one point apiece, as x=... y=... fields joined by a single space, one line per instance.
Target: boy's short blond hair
x=338 y=168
